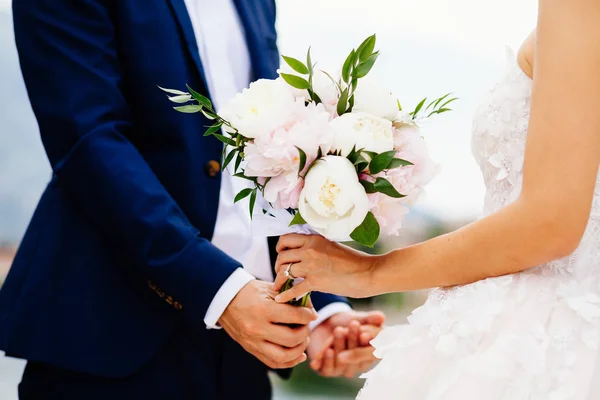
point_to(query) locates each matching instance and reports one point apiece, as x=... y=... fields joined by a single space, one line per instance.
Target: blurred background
x=429 y=48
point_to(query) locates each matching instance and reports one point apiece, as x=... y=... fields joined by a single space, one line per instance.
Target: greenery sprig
x=224 y=132
x=437 y=106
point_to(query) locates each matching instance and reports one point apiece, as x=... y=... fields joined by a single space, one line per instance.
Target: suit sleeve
x=322 y=300
x=69 y=61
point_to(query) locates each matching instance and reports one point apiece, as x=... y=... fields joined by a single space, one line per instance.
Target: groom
x=136 y=247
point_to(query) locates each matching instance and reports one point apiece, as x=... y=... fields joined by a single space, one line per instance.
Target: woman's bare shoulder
x=526 y=54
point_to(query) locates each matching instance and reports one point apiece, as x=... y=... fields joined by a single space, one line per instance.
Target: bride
x=517 y=312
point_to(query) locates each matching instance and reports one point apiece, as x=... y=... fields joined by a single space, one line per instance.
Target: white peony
x=372 y=98
x=260 y=109
x=333 y=201
x=364 y=131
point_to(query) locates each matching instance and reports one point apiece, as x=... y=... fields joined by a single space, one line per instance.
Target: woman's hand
x=325 y=266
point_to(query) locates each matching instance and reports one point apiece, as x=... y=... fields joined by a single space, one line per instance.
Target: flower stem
x=300 y=302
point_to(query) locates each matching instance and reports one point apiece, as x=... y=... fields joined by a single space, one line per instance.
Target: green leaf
x=361 y=158
x=381 y=161
x=365 y=50
x=353 y=155
x=448 y=102
x=295 y=81
x=225 y=139
x=365 y=67
x=296 y=65
x=297 y=220
x=252 y=202
x=438 y=101
x=347 y=65
x=370 y=154
x=435 y=102
x=189 y=109
x=208 y=114
x=319 y=153
x=343 y=102
x=440 y=111
x=243 y=194
x=241 y=175
x=238 y=161
x=398 y=162
x=367 y=233
x=384 y=186
x=180 y=99
x=419 y=107
x=302 y=159
x=361 y=166
x=354 y=84
x=351 y=103
x=369 y=187
x=314 y=97
x=309 y=63
x=202 y=100
x=215 y=128
x=229 y=158
x=172 y=91
x=399 y=105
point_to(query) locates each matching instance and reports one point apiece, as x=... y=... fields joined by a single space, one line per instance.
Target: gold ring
x=288 y=272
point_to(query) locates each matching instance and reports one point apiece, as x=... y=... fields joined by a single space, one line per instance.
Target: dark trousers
x=184 y=369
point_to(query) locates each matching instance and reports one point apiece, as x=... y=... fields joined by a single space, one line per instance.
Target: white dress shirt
x=227 y=67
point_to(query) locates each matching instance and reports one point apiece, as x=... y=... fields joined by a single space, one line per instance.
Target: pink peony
x=307 y=128
x=412 y=147
x=276 y=155
x=389 y=213
x=283 y=191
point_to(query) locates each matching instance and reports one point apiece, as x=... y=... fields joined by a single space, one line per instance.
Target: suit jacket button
x=212 y=168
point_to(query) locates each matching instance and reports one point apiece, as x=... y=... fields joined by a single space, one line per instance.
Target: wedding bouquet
x=329 y=154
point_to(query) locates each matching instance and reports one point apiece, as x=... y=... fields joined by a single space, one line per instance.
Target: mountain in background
x=24 y=168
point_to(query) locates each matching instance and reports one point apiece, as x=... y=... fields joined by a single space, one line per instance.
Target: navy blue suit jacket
x=118 y=252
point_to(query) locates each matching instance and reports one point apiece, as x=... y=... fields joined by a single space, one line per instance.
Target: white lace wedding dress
x=527 y=336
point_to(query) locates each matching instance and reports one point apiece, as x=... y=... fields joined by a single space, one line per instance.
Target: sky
x=428 y=47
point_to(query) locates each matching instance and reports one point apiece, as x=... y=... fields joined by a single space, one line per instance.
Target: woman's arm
x=548 y=219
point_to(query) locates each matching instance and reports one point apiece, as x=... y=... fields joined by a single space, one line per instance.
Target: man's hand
x=340 y=345
x=277 y=334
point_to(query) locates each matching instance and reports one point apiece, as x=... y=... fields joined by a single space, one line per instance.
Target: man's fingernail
x=278 y=299
x=344 y=357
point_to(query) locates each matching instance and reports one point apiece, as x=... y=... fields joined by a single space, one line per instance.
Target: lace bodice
x=498 y=144
x=499 y=134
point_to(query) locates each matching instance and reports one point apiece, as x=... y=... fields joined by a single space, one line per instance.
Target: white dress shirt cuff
x=225 y=295
x=329 y=311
